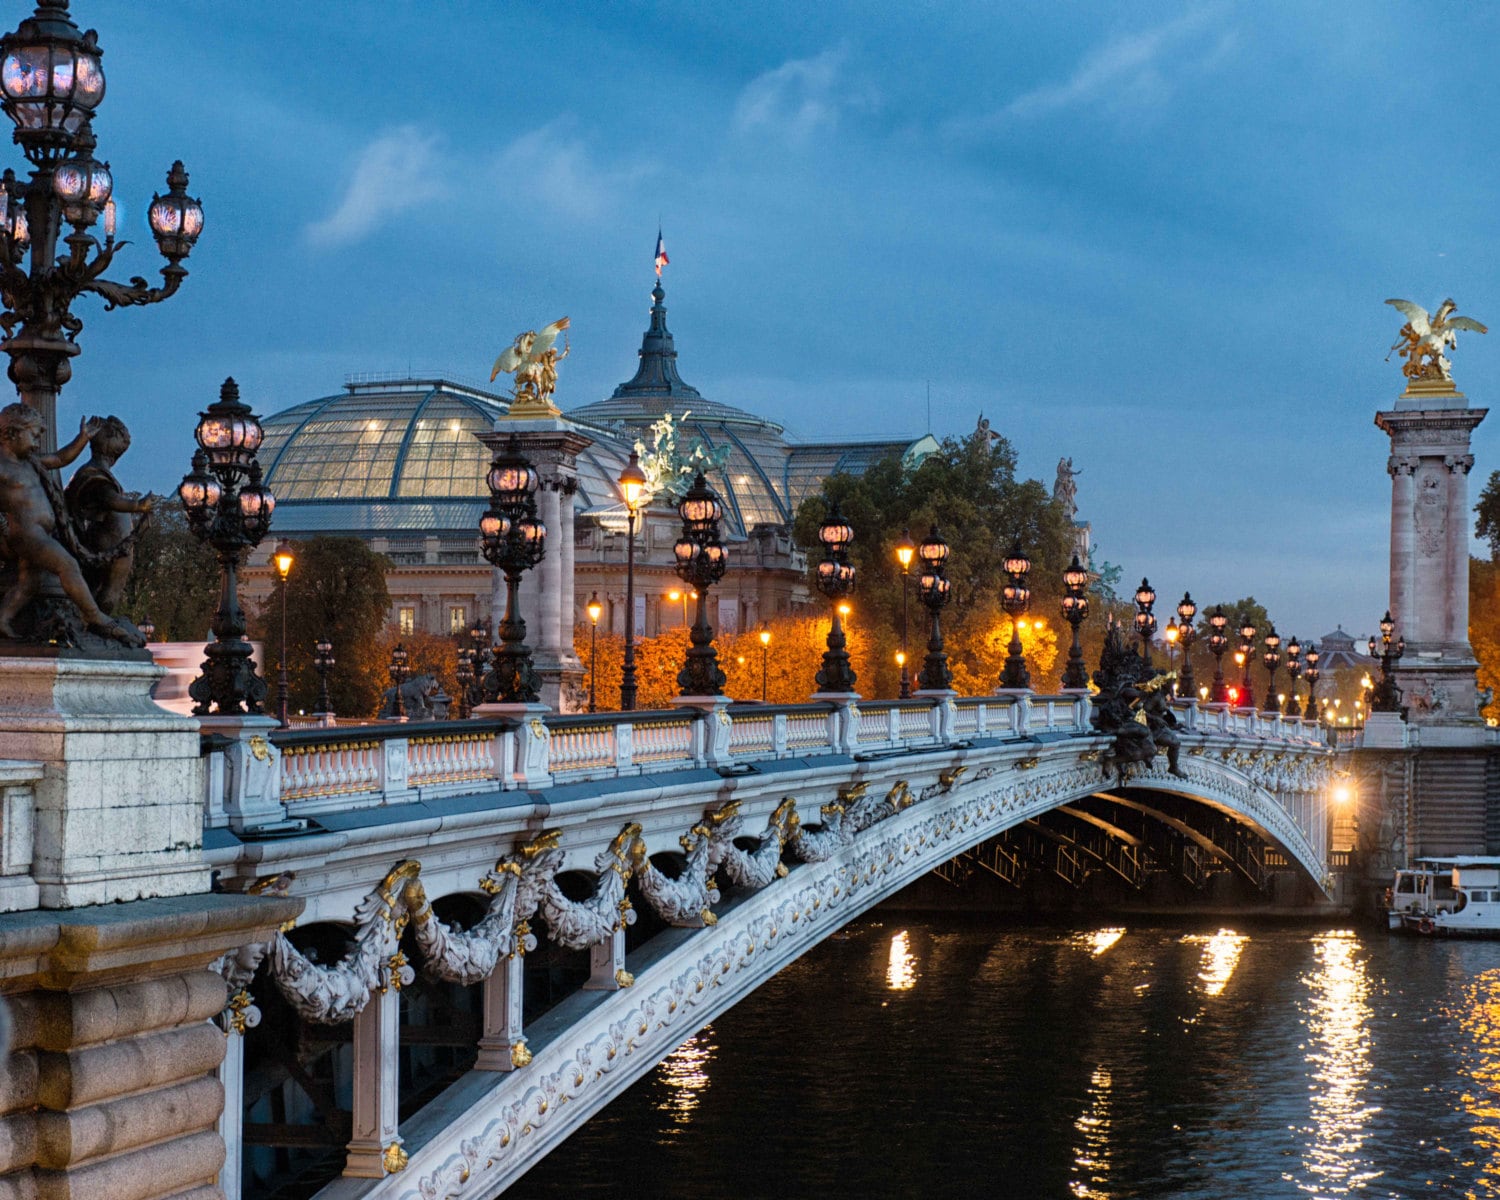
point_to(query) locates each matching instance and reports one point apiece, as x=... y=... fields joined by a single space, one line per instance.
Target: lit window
x=458 y=619
x=406 y=619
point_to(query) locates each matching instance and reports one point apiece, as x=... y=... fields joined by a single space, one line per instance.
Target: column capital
x=1401 y=464
x=1459 y=463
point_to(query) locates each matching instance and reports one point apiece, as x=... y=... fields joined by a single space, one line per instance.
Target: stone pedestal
x=252 y=775
x=711 y=733
x=118 y=811
x=1429 y=428
x=526 y=761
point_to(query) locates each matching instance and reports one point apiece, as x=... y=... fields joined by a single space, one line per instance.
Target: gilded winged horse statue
x=533 y=359
x=1425 y=337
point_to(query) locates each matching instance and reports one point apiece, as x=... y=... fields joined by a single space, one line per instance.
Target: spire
x=656 y=379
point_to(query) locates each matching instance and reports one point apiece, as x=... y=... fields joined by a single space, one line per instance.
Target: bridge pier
x=607 y=971
x=375 y=1149
x=502 y=1044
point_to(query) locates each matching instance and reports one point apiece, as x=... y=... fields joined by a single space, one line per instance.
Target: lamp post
x=463 y=673
x=1218 y=642
x=836 y=576
x=1311 y=674
x=633 y=489
x=1272 y=659
x=399 y=671
x=282 y=557
x=701 y=562
x=1187 y=634
x=1015 y=599
x=906 y=550
x=1145 y=621
x=1075 y=609
x=1247 y=652
x=1293 y=707
x=1385 y=696
x=513 y=538
x=595 y=611
x=765 y=647
x=933 y=589
x=230 y=509
x=1170 y=635
x=323 y=663
x=51 y=82
x=479 y=659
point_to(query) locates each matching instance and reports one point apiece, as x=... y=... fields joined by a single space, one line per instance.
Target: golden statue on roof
x=533 y=359
x=1425 y=337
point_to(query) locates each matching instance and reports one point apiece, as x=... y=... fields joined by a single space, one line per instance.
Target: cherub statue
x=1425 y=336
x=533 y=358
x=34 y=529
x=104 y=514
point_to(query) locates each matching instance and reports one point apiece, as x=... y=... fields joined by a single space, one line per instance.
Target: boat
x=1446 y=897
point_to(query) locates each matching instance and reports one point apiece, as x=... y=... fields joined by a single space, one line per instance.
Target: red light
x=1234 y=694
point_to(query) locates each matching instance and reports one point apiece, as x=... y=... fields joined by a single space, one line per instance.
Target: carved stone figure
x=109 y=519
x=417 y=694
x=39 y=541
x=1133 y=705
x=746 y=861
x=1065 y=489
x=684 y=901
x=533 y=359
x=1425 y=337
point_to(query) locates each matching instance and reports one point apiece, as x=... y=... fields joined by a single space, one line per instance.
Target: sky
x=1155 y=238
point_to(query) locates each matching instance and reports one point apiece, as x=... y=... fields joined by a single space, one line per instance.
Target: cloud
x=1132 y=71
x=560 y=173
x=396 y=172
x=800 y=98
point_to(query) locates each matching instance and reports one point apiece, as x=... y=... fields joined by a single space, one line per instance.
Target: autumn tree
x=174 y=579
x=337 y=590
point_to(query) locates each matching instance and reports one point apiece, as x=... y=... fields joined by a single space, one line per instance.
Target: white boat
x=1447 y=897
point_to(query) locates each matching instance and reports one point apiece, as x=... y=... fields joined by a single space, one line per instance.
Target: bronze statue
x=1133 y=704
x=40 y=541
x=103 y=512
x=533 y=358
x=1425 y=336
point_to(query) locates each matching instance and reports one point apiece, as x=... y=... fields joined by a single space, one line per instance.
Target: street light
x=399 y=672
x=51 y=81
x=282 y=557
x=1145 y=621
x=1075 y=609
x=633 y=489
x=1187 y=634
x=1015 y=599
x=595 y=611
x=323 y=662
x=1170 y=634
x=1311 y=674
x=765 y=646
x=906 y=550
x=1386 y=696
x=836 y=580
x=701 y=562
x=1293 y=707
x=513 y=538
x=230 y=509
x=1218 y=642
x=1272 y=659
x=464 y=674
x=1247 y=652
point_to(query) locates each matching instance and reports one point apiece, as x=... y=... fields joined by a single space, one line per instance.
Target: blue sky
x=1156 y=238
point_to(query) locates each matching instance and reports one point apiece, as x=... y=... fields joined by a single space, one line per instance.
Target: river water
x=923 y=1055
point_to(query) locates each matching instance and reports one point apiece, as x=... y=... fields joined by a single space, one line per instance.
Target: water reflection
x=1338 y=1059
x=901 y=967
x=1098 y=941
x=684 y=1073
x=1480 y=1019
x=1221 y=954
x=1091 y=1154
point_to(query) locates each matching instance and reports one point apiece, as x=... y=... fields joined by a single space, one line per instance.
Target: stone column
x=375 y=1149
x=502 y=1045
x=1430 y=427
x=550 y=572
x=569 y=606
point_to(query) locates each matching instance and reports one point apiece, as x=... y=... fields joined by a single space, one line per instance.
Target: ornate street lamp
x=701 y=562
x=1312 y=674
x=323 y=662
x=1272 y=659
x=463 y=674
x=399 y=671
x=479 y=658
x=836 y=580
x=1385 y=696
x=513 y=538
x=633 y=489
x=1145 y=621
x=595 y=611
x=229 y=508
x=1218 y=642
x=51 y=81
x=765 y=649
x=1187 y=634
x=1075 y=609
x=1293 y=707
x=282 y=557
x=933 y=589
x=1247 y=650
x=148 y=629
x=906 y=550
x=1015 y=599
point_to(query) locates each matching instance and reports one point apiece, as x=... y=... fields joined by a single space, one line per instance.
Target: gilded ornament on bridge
x=533 y=360
x=520 y=1055
x=1423 y=341
x=394 y=1159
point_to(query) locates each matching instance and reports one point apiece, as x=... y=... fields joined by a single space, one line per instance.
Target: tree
x=174 y=579
x=1484 y=625
x=337 y=590
x=1487 y=526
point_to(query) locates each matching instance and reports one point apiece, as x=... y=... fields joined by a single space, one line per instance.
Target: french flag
x=661 y=254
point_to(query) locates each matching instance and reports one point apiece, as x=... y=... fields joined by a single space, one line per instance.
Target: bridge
x=506 y=921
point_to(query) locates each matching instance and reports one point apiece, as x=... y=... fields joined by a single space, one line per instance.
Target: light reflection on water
x=1100 y=940
x=684 y=1073
x=1338 y=1060
x=901 y=966
x=1091 y=1158
x=1221 y=954
x=1479 y=1017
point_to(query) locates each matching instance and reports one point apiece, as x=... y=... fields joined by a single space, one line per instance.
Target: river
x=923 y=1055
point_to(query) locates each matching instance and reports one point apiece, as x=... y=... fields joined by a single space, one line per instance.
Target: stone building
x=397 y=461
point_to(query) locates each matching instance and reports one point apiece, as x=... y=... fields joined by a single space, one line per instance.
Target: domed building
x=397 y=461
